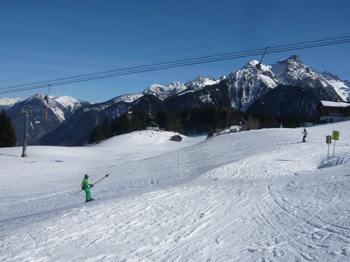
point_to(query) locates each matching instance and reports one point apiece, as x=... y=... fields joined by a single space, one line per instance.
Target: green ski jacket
x=85 y=184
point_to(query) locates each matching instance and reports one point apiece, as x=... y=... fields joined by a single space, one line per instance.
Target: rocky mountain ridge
x=285 y=86
x=59 y=109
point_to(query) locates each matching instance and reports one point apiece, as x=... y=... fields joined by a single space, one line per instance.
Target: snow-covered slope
x=250 y=196
x=341 y=87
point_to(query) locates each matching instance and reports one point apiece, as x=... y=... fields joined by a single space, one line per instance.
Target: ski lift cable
x=181 y=50
x=47 y=102
x=217 y=56
x=128 y=70
x=184 y=62
x=179 y=63
x=191 y=63
x=188 y=61
x=129 y=159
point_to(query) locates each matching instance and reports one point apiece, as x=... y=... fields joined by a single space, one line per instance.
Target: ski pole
x=74 y=194
x=101 y=179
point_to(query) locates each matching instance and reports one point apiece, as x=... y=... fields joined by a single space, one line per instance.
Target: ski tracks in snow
x=286 y=226
x=275 y=205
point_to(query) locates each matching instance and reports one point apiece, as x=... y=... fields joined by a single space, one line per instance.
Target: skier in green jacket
x=86 y=186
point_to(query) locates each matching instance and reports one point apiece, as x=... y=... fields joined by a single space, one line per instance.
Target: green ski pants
x=88 y=194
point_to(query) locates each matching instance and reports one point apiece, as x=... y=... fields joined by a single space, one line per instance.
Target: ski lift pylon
x=258 y=66
x=47 y=102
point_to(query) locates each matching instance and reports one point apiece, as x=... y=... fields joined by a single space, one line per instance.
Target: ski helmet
x=86 y=176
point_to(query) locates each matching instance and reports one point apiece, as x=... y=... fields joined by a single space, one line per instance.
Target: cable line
x=182 y=50
x=178 y=63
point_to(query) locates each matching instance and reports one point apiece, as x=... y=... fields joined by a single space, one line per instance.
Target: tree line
x=7 y=131
x=191 y=121
x=188 y=122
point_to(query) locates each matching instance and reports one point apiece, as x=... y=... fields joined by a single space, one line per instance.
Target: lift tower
x=26 y=113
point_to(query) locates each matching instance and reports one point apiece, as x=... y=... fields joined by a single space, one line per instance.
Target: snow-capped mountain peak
x=164 y=92
x=9 y=102
x=201 y=82
x=292 y=71
x=176 y=88
x=330 y=76
x=70 y=103
x=250 y=83
x=64 y=102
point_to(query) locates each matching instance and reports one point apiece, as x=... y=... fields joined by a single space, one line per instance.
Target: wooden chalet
x=333 y=111
x=152 y=126
x=245 y=126
x=271 y=123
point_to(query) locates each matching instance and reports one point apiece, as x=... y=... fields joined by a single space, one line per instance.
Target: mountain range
x=285 y=87
x=60 y=108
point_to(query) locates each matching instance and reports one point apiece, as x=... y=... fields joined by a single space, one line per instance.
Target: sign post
x=335 y=136
x=178 y=165
x=328 y=141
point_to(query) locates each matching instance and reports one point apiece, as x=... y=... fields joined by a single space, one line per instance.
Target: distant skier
x=86 y=186
x=305 y=134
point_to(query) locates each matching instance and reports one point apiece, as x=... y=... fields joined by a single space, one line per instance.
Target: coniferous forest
x=7 y=131
x=192 y=121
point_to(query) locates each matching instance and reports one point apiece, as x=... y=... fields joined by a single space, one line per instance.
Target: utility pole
x=26 y=113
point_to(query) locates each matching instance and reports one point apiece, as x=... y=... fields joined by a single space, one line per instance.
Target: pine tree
x=96 y=134
x=136 y=122
x=7 y=131
x=106 y=128
x=164 y=119
x=124 y=126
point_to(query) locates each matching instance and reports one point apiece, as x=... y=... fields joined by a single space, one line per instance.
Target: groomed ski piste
x=259 y=195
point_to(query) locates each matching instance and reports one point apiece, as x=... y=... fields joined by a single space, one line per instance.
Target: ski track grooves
x=257 y=207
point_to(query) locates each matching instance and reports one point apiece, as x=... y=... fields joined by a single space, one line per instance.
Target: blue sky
x=45 y=40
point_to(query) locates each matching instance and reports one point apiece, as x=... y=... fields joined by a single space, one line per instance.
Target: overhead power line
x=178 y=63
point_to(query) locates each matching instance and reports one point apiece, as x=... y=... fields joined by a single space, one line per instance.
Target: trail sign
x=328 y=141
x=335 y=135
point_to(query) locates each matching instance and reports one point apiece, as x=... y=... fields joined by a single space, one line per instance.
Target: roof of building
x=152 y=124
x=270 y=123
x=334 y=104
